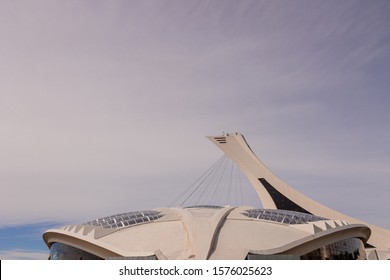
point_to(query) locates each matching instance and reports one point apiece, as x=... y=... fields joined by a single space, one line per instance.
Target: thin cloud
x=21 y=254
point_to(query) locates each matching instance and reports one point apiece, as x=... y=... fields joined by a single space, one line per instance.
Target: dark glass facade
x=60 y=251
x=347 y=249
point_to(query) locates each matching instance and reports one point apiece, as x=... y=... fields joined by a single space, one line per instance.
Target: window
x=60 y=251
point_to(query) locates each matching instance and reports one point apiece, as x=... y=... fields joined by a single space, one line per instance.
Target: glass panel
x=281 y=216
x=347 y=249
x=60 y=251
x=126 y=219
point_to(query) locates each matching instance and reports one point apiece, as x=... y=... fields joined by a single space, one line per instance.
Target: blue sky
x=104 y=105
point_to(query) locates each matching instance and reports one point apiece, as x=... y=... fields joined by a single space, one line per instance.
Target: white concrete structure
x=275 y=194
x=291 y=227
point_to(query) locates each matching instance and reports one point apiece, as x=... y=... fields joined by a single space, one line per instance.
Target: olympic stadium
x=289 y=226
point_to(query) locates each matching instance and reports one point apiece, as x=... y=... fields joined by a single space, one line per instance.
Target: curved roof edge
x=319 y=239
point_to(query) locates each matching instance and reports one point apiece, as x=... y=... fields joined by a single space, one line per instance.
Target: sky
x=105 y=105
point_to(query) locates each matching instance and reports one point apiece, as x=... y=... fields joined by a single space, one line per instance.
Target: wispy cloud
x=103 y=106
x=23 y=255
